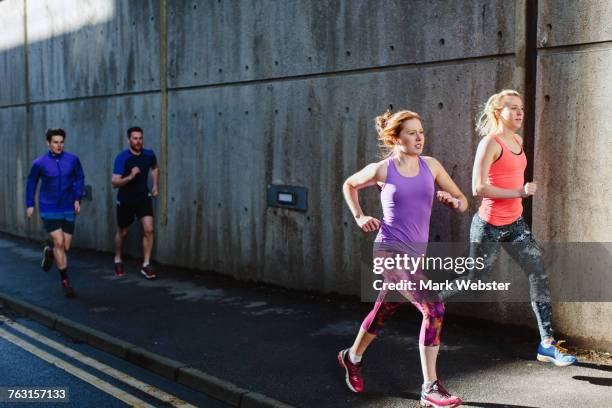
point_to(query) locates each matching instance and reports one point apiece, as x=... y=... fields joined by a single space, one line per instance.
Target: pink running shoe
x=438 y=397
x=353 y=371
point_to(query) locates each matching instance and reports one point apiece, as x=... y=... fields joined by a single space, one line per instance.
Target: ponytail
x=487 y=121
x=388 y=126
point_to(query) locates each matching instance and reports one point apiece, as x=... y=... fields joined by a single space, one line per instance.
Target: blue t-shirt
x=137 y=189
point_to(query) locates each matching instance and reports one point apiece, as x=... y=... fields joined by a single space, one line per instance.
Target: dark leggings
x=526 y=252
x=432 y=311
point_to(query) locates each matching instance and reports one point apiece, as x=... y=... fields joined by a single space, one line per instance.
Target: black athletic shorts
x=53 y=225
x=126 y=212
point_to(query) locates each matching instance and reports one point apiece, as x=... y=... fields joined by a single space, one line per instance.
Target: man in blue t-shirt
x=59 y=201
x=130 y=176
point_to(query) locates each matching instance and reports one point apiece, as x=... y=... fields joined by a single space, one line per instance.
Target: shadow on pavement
x=606 y=382
x=599 y=367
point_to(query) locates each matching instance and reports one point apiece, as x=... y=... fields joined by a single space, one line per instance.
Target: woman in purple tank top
x=406 y=182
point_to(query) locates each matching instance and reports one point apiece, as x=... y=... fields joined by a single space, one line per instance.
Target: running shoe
x=352 y=371
x=438 y=397
x=67 y=288
x=47 y=258
x=119 y=268
x=556 y=354
x=147 y=272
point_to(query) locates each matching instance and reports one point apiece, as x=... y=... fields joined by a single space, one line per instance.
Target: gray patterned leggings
x=525 y=251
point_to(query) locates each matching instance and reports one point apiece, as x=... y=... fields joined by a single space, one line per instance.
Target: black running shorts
x=126 y=212
x=51 y=225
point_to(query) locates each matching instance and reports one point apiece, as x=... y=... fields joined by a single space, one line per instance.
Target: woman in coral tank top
x=498 y=177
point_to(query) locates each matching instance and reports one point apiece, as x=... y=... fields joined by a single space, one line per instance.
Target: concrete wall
x=212 y=42
x=117 y=55
x=285 y=92
x=299 y=133
x=573 y=144
x=12 y=61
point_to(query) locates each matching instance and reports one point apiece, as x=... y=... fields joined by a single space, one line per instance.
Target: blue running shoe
x=555 y=354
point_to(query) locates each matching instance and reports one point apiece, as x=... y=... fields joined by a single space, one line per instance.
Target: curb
x=171 y=369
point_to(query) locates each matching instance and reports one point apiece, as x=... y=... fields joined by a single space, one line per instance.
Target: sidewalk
x=283 y=344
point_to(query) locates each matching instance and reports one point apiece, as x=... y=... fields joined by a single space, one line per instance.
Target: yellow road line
x=77 y=372
x=112 y=372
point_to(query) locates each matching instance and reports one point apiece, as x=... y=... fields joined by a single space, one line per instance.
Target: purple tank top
x=406 y=204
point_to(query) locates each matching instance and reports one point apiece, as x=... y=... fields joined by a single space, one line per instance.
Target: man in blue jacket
x=59 y=200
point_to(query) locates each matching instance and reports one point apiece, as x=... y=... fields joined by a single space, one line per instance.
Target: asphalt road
x=42 y=358
x=283 y=343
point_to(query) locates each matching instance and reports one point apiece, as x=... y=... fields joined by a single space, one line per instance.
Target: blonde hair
x=388 y=126
x=487 y=121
